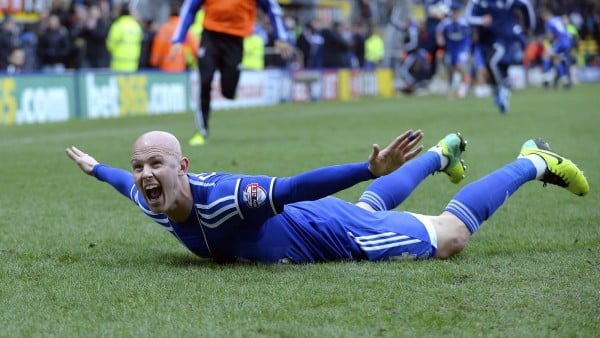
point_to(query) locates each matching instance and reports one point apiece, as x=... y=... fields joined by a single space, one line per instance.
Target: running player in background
x=414 y=62
x=435 y=12
x=479 y=72
x=227 y=217
x=454 y=35
x=557 y=54
x=501 y=39
x=226 y=24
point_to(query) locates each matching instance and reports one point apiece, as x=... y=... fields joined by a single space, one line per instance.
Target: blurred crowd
x=82 y=34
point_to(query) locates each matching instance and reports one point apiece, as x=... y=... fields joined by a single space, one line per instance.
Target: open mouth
x=153 y=192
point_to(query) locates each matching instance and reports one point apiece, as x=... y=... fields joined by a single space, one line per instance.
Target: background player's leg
x=499 y=71
x=207 y=55
x=232 y=48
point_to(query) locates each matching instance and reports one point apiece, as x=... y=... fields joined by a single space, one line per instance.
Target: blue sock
x=387 y=192
x=478 y=200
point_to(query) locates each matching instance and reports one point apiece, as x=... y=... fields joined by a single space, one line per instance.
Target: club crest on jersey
x=254 y=195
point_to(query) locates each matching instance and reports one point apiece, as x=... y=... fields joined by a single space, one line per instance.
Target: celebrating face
x=157 y=166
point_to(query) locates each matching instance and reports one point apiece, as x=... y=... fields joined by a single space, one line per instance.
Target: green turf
x=79 y=260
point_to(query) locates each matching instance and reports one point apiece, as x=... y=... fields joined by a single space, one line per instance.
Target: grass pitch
x=77 y=259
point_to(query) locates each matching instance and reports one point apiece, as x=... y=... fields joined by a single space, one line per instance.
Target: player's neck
x=184 y=201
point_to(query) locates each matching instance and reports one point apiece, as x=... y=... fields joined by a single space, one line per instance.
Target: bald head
x=157 y=141
x=160 y=174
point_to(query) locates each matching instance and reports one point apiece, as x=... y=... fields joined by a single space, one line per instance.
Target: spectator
x=365 y=11
x=94 y=33
x=254 y=52
x=124 y=41
x=149 y=30
x=9 y=40
x=75 y=28
x=337 y=45
x=54 y=45
x=29 y=43
x=161 y=54
x=591 y=22
x=16 y=61
x=310 y=43
x=60 y=8
x=303 y=43
x=374 y=49
x=359 y=36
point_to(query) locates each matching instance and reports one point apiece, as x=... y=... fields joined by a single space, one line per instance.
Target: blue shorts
x=331 y=229
x=456 y=57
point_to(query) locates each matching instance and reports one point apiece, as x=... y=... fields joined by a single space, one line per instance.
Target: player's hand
x=83 y=160
x=283 y=48
x=174 y=50
x=401 y=150
x=487 y=20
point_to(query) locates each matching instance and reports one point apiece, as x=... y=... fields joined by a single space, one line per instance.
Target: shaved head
x=157 y=141
x=160 y=174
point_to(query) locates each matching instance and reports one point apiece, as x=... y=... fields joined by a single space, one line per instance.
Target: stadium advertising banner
x=109 y=95
x=36 y=99
x=330 y=85
x=255 y=88
x=42 y=98
x=306 y=86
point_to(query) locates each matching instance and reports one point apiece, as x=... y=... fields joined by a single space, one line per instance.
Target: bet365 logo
x=133 y=97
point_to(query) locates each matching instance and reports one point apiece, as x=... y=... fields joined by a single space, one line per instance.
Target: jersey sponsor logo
x=254 y=195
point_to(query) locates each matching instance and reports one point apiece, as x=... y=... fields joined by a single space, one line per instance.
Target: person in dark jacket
x=94 y=33
x=337 y=45
x=54 y=45
x=9 y=40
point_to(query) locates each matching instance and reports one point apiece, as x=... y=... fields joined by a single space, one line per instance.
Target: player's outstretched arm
x=401 y=150
x=120 y=179
x=321 y=182
x=85 y=162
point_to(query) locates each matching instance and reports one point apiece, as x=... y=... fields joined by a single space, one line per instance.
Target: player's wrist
x=95 y=169
x=371 y=170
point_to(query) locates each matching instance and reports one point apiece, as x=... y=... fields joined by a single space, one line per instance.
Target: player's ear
x=184 y=164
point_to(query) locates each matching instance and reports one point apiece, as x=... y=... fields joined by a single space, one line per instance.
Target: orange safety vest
x=160 y=54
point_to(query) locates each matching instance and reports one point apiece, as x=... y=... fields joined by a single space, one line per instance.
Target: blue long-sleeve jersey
x=229 y=211
x=505 y=26
x=556 y=30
